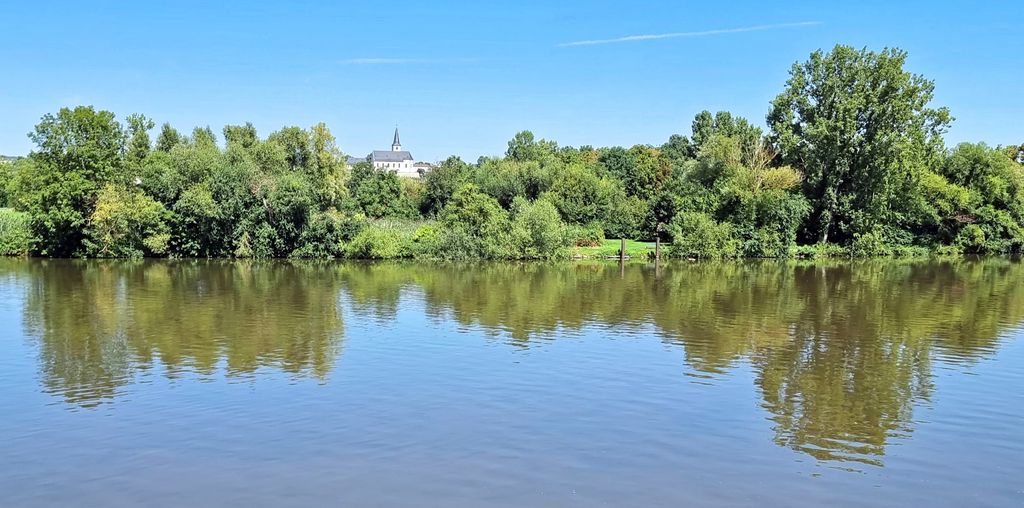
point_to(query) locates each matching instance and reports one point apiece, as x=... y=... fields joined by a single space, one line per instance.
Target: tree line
x=853 y=163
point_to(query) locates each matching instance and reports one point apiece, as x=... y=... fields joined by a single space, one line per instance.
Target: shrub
x=948 y=251
x=624 y=216
x=380 y=241
x=473 y=225
x=870 y=244
x=697 y=235
x=911 y=251
x=15 y=232
x=591 y=235
x=127 y=224
x=538 y=231
x=325 y=234
x=971 y=239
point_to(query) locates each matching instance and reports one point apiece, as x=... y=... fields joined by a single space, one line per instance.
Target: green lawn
x=610 y=248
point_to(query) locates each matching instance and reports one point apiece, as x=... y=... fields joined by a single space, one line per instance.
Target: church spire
x=396 y=145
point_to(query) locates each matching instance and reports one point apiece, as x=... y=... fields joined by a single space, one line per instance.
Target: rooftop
x=390 y=156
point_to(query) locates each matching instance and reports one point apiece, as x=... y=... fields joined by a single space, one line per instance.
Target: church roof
x=396 y=141
x=389 y=156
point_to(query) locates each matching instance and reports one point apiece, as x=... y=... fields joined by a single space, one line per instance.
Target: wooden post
x=622 y=251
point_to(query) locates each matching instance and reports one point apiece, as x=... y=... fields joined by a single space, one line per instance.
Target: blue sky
x=463 y=77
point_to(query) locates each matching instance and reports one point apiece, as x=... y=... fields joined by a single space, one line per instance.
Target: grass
x=610 y=248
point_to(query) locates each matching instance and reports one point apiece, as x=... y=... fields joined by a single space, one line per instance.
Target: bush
x=866 y=245
x=948 y=251
x=591 y=235
x=380 y=241
x=971 y=239
x=127 y=224
x=696 y=235
x=473 y=226
x=15 y=233
x=624 y=216
x=325 y=234
x=911 y=251
x=538 y=231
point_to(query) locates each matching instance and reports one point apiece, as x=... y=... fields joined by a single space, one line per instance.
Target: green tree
x=138 y=142
x=168 y=138
x=678 y=149
x=537 y=231
x=705 y=126
x=474 y=226
x=127 y=224
x=441 y=183
x=78 y=151
x=860 y=128
x=326 y=166
x=204 y=136
x=580 y=195
x=523 y=147
x=295 y=141
x=240 y=135
x=378 y=192
x=990 y=217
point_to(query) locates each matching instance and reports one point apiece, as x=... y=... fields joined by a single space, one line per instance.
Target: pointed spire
x=396 y=145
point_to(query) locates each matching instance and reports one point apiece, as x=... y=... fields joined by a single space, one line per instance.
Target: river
x=233 y=383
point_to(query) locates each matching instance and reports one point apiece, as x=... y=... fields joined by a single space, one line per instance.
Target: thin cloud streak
x=649 y=37
x=406 y=61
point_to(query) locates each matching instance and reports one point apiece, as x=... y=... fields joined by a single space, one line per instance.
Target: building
x=397 y=160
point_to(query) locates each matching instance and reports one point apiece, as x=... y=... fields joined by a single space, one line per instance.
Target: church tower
x=396 y=145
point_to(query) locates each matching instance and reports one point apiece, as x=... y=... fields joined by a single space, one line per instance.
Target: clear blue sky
x=463 y=77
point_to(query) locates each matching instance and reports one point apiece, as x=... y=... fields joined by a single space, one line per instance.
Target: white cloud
x=648 y=37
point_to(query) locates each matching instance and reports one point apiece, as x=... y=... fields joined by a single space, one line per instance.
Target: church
x=397 y=160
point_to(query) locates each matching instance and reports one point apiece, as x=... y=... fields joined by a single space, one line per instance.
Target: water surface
x=215 y=383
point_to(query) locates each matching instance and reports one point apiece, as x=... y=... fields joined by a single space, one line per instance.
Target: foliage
x=326 y=234
x=15 y=232
x=378 y=192
x=697 y=235
x=537 y=231
x=580 y=196
x=474 y=225
x=853 y=165
x=380 y=241
x=79 y=151
x=590 y=235
x=441 y=182
x=127 y=224
x=861 y=129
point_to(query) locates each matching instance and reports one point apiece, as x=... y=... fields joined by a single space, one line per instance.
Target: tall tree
x=723 y=123
x=860 y=128
x=168 y=138
x=138 y=142
x=523 y=147
x=79 y=150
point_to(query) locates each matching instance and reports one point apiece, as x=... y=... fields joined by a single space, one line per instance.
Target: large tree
x=861 y=130
x=78 y=151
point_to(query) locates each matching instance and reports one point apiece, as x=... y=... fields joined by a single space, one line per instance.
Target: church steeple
x=396 y=145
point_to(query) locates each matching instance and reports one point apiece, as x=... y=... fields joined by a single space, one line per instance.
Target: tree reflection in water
x=841 y=351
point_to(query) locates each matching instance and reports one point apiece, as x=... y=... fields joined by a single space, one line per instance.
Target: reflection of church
x=397 y=160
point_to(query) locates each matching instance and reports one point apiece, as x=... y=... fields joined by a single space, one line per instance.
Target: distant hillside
x=8 y=158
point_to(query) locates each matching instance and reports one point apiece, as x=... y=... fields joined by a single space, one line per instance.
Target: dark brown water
x=884 y=383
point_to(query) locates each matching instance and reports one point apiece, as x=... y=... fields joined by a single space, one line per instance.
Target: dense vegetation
x=853 y=163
